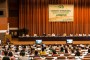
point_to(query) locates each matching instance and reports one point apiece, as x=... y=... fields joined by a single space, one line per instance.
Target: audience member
x=54 y=52
x=89 y=50
x=50 y=50
x=22 y=56
x=61 y=49
x=43 y=52
x=36 y=54
x=66 y=50
x=77 y=52
x=10 y=54
x=6 y=57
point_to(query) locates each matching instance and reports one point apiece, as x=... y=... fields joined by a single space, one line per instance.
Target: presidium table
x=55 y=38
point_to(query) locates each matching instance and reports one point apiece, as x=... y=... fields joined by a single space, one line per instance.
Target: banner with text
x=63 y=13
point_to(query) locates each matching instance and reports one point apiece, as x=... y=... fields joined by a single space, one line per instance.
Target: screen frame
x=67 y=41
x=37 y=40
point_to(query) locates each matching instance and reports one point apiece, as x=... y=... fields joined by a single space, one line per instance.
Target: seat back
x=71 y=57
x=61 y=57
x=49 y=58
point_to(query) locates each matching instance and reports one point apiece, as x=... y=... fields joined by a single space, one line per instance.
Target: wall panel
x=4 y=15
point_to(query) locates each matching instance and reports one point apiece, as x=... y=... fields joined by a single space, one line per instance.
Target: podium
x=8 y=39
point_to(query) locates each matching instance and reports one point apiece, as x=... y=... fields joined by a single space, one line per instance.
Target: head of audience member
x=77 y=52
x=16 y=50
x=72 y=50
x=5 y=53
x=43 y=49
x=22 y=53
x=36 y=54
x=54 y=52
x=2 y=52
x=10 y=54
x=23 y=50
x=32 y=51
x=62 y=49
x=89 y=50
x=43 y=45
x=66 y=50
x=17 y=47
x=23 y=46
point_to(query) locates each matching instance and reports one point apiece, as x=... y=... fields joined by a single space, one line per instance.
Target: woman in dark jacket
x=77 y=53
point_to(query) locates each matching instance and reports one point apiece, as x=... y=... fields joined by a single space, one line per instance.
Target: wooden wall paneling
x=4 y=17
x=13 y=13
x=13 y=22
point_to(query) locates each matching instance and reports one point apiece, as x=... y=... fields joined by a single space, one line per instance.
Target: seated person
x=77 y=53
x=44 y=34
x=88 y=34
x=61 y=49
x=89 y=50
x=27 y=35
x=80 y=34
x=6 y=57
x=76 y=34
x=66 y=50
x=43 y=45
x=10 y=54
x=35 y=35
x=36 y=54
x=71 y=34
x=49 y=35
x=43 y=52
x=23 y=35
x=22 y=56
x=53 y=34
x=54 y=52
x=64 y=34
